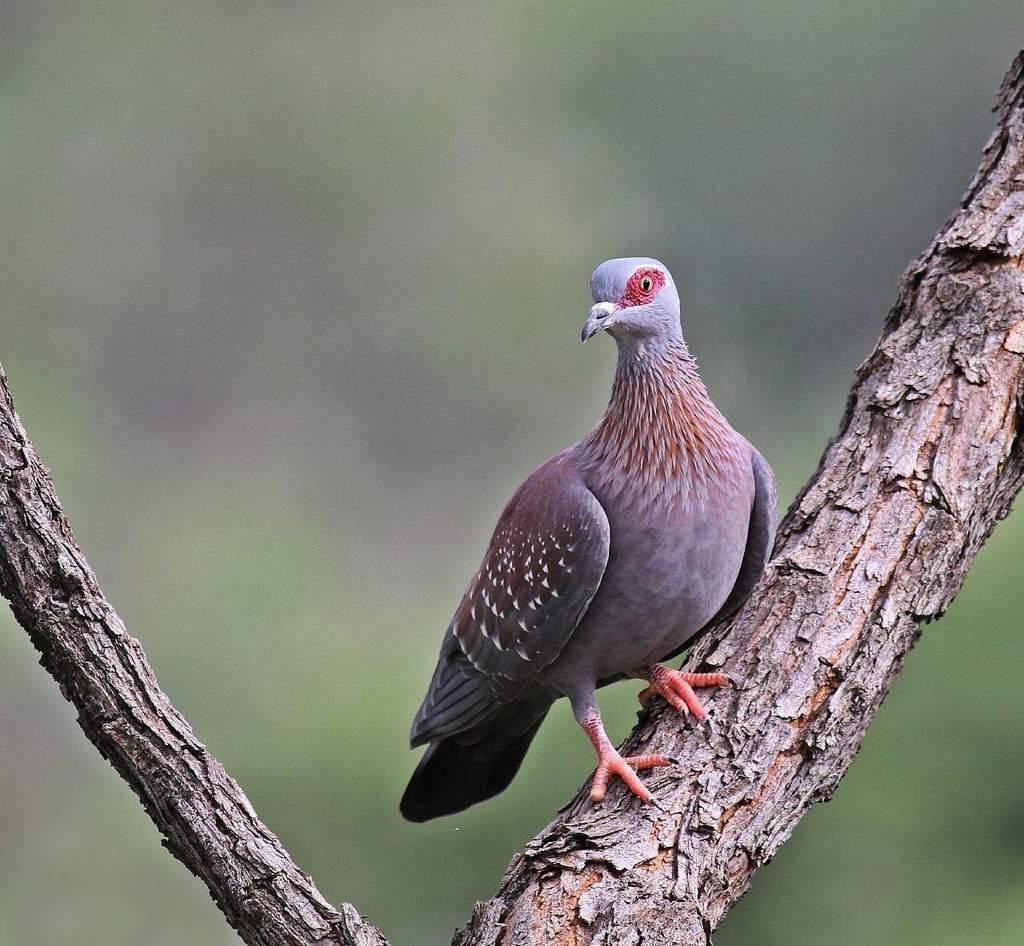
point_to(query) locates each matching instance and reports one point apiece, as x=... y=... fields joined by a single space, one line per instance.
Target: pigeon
x=611 y=558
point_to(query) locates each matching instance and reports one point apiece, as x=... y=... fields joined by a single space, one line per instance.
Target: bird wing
x=541 y=570
x=764 y=519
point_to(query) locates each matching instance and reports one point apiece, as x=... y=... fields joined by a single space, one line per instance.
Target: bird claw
x=611 y=763
x=676 y=686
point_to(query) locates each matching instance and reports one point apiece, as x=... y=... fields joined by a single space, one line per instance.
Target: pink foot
x=610 y=763
x=677 y=689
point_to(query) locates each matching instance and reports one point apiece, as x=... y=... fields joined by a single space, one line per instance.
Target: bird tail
x=460 y=770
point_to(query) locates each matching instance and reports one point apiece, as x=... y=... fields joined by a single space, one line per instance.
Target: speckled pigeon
x=612 y=556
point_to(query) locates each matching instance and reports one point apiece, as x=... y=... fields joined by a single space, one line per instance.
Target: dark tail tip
x=462 y=770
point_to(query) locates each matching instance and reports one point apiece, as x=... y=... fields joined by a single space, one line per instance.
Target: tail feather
x=465 y=705
x=458 y=699
x=461 y=770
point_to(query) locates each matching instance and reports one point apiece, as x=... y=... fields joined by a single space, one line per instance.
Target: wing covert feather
x=541 y=570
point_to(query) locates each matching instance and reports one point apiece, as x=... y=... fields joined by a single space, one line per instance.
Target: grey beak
x=597 y=319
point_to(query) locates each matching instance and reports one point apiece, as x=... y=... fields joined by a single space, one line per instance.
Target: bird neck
x=661 y=431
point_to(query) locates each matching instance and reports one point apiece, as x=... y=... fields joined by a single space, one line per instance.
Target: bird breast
x=671 y=566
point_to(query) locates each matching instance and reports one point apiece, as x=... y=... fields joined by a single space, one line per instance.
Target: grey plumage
x=610 y=557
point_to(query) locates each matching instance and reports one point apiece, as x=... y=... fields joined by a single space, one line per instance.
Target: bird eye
x=646 y=283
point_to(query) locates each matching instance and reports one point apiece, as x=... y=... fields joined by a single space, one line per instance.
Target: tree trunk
x=925 y=463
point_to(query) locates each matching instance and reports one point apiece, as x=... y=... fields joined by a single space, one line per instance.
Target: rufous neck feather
x=661 y=431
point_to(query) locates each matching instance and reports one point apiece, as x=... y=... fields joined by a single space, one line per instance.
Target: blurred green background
x=291 y=294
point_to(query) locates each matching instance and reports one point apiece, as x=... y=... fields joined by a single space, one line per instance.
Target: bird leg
x=677 y=689
x=610 y=763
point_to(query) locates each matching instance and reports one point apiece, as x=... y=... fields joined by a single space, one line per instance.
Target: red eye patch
x=642 y=287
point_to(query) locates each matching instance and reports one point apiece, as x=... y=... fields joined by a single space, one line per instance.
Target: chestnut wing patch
x=541 y=570
x=524 y=601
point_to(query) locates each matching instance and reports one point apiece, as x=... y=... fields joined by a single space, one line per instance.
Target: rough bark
x=926 y=462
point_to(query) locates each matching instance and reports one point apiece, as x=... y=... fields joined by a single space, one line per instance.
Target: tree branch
x=926 y=461
x=206 y=820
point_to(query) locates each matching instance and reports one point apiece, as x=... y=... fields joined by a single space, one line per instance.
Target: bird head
x=636 y=301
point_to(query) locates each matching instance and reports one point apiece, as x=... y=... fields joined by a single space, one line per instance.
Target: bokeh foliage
x=290 y=301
